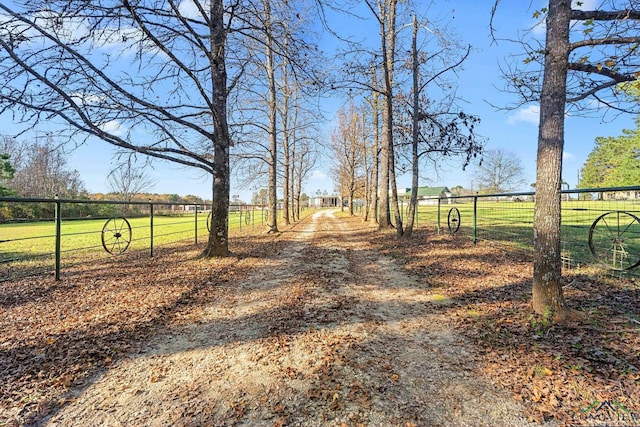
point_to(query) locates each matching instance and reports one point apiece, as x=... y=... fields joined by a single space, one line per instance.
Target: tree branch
x=603 y=71
x=602 y=15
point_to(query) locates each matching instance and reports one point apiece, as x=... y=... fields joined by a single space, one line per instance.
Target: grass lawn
x=31 y=245
x=616 y=237
x=38 y=238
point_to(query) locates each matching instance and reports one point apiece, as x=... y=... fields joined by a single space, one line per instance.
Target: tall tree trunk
x=286 y=152
x=292 y=182
x=285 y=182
x=411 y=211
x=387 y=10
x=354 y=136
x=273 y=143
x=547 y=266
x=384 y=212
x=388 y=55
x=218 y=244
x=366 y=166
x=375 y=181
x=394 y=191
x=298 y=180
x=350 y=202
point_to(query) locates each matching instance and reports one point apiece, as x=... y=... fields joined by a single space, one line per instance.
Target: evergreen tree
x=614 y=161
x=6 y=173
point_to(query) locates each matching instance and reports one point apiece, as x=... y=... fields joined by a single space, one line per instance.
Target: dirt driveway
x=326 y=332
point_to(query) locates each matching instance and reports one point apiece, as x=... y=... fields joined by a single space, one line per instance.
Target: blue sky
x=513 y=131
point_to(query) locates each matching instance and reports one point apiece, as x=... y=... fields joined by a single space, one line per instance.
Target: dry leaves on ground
x=344 y=326
x=558 y=370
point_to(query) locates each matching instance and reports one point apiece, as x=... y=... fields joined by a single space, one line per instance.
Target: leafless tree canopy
x=348 y=151
x=70 y=58
x=150 y=76
x=603 y=63
x=499 y=172
x=129 y=180
x=40 y=169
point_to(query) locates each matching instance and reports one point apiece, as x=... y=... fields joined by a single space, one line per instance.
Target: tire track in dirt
x=328 y=332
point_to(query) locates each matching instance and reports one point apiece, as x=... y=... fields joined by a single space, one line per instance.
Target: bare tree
x=260 y=198
x=386 y=13
x=374 y=178
x=42 y=171
x=288 y=138
x=63 y=60
x=385 y=80
x=129 y=180
x=588 y=55
x=302 y=152
x=284 y=71
x=373 y=71
x=347 y=153
x=434 y=128
x=305 y=159
x=499 y=172
x=270 y=67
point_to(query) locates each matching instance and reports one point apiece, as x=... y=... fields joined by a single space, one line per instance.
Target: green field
x=616 y=238
x=81 y=237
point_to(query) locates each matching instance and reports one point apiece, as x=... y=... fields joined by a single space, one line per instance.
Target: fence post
x=475 y=214
x=438 y=215
x=196 y=225
x=58 y=220
x=151 y=227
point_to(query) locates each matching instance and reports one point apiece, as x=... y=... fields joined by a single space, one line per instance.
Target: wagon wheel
x=614 y=240
x=247 y=217
x=209 y=222
x=453 y=220
x=116 y=235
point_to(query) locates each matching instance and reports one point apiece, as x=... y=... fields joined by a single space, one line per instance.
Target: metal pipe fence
x=44 y=236
x=37 y=236
x=599 y=226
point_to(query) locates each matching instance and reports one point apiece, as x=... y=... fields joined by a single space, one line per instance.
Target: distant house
x=429 y=195
x=324 y=202
x=191 y=208
x=621 y=195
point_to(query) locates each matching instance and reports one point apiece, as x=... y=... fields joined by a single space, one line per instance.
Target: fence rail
x=45 y=235
x=599 y=226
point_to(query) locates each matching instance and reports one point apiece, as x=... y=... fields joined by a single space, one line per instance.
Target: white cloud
x=118 y=39
x=114 y=127
x=568 y=156
x=87 y=99
x=530 y=114
x=188 y=8
x=318 y=174
x=539 y=28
